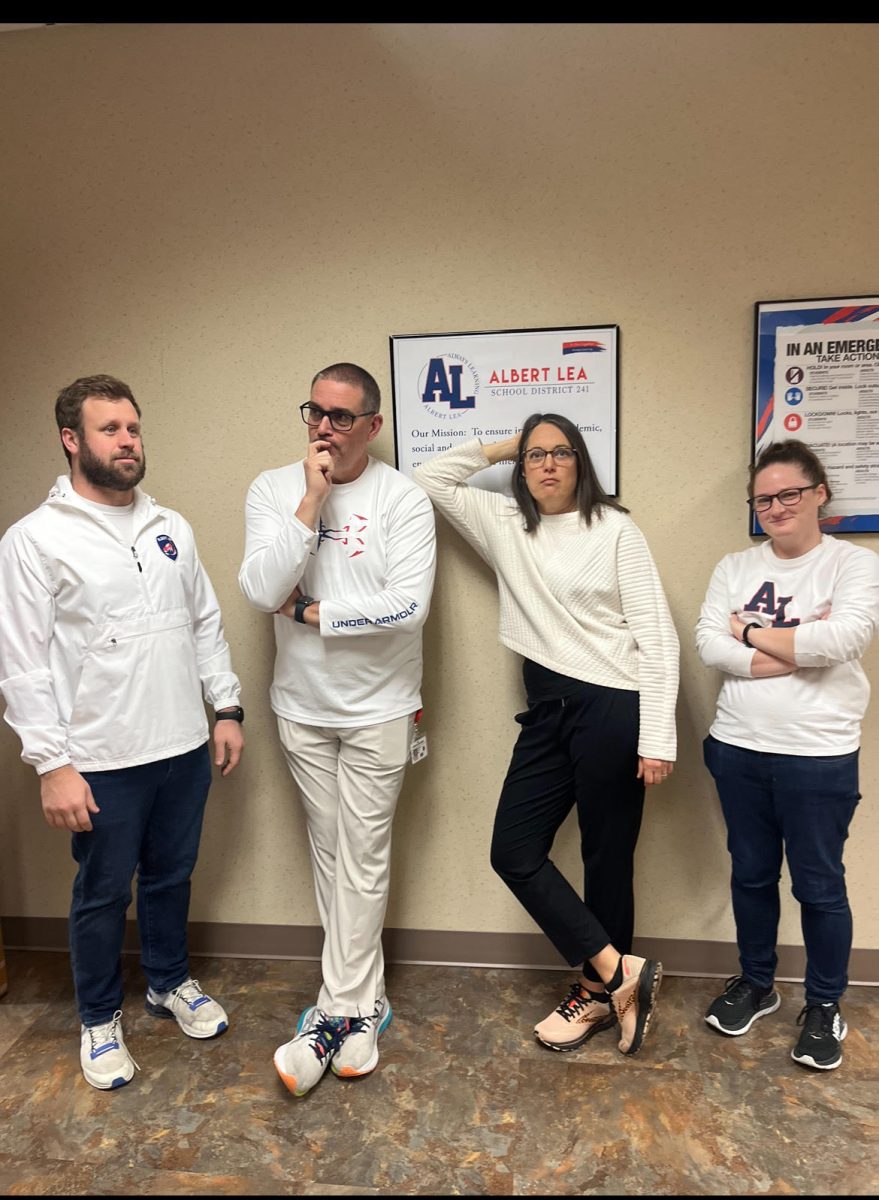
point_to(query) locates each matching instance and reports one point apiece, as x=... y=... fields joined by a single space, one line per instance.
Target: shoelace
x=190 y=992
x=327 y=1034
x=735 y=987
x=103 y=1038
x=819 y=1019
x=574 y=1003
x=362 y=1024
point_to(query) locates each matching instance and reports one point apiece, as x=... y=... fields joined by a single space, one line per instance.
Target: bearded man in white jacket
x=110 y=633
x=342 y=549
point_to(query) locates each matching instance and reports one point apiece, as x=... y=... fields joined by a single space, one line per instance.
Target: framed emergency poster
x=816 y=378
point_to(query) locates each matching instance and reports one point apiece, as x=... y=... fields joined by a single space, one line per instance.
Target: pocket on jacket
x=138 y=691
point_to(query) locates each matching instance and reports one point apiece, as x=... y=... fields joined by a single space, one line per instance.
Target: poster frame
x=512 y=345
x=769 y=316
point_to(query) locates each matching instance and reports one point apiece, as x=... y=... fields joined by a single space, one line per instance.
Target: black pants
x=582 y=750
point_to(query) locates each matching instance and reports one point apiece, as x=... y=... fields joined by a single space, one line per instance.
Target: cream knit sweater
x=586 y=602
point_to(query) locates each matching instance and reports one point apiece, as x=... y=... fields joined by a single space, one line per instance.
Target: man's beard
x=118 y=477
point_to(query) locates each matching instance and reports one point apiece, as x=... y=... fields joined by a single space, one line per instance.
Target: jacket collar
x=63 y=489
x=62 y=492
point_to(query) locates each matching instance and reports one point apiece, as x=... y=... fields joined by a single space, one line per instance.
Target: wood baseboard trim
x=437 y=947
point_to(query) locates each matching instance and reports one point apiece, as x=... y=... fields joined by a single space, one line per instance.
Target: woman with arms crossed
x=786 y=622
x=581 y=601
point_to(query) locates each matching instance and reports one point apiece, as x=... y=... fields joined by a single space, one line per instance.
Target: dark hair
x=68 y=406
x=796 y=453
x=355 y=376
x=590 y=495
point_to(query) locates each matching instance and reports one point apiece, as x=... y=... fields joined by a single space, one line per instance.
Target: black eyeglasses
x=561 y=454
x=789 y=497
x=340 y=420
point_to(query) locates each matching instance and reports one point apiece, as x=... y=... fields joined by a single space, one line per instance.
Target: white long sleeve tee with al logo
x=830 y=597
x=371 y=564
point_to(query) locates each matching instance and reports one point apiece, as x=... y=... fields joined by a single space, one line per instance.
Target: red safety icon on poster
x=792 y=422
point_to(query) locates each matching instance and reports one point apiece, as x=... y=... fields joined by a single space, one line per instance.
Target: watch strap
x=300 y=606
x=746 y=633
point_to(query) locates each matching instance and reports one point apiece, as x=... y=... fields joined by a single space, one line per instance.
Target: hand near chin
x=318 y=464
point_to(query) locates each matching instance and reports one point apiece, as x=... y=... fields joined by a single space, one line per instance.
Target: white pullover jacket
x=106 y=648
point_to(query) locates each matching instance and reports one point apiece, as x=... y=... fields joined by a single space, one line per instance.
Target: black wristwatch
x=746 y=634
x=231 y=714
x=300 y=606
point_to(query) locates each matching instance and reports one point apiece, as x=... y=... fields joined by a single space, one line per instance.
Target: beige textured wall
x=213 y=212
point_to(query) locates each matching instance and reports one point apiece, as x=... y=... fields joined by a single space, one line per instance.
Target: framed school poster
x=816 y=378
x=449 y=387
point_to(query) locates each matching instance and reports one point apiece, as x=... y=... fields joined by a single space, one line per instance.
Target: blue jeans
x=801 y=805
x=150 y=821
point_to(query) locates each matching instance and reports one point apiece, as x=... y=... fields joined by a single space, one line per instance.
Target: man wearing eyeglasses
x=341 y=548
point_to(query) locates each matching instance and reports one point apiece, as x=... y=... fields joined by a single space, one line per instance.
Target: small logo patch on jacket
x=166 y=545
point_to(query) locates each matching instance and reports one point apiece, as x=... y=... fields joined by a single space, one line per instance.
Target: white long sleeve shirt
x=830 y=597
x=108 y=643
x=371 y=564
x=585 y=601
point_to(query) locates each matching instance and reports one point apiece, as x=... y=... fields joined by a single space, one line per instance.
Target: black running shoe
x=820 y=1044
x=739 y=1005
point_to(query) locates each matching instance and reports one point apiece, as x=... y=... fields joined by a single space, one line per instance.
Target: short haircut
x=68 y=406
x=354 y=376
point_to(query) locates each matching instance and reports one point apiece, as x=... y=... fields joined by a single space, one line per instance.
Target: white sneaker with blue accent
x=302 y=1061
x=359 y=1052
x=196 y=1013
x=103 y=1055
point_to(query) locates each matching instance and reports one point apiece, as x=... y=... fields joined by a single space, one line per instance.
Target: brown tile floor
x=464 y=1102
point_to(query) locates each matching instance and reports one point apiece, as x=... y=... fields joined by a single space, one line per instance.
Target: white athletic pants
x=349 y=781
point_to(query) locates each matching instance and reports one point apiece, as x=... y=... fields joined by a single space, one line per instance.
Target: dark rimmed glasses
x=789 y=497
x=340 y=419
x=561 y=454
